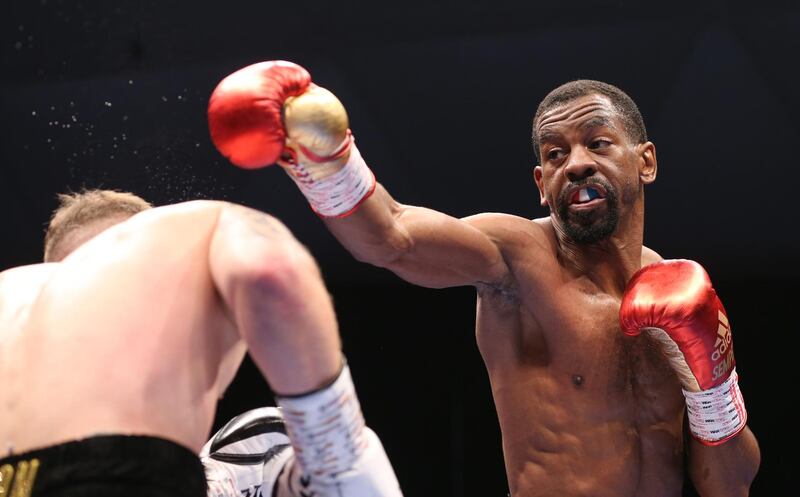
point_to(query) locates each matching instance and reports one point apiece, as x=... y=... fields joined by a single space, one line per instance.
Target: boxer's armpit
x=503 y=293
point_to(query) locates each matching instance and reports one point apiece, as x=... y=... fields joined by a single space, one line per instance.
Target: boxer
x=113 y=353
x=595 y=346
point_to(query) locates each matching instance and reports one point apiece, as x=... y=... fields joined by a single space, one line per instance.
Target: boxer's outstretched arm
x=271 y=112
x=273 y=290
x=725 y=470
x=420 y=245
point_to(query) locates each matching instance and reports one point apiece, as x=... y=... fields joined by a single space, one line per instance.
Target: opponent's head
x=81 y=216
x=594 y=158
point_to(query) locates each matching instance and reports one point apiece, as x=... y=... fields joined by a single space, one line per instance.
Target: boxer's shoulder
x=527 y=246
x=509 y=232
x=28 y=273
x=20 y=287
x=22 y=278
x=209 y=213
x=173 y=226
x=178 y=212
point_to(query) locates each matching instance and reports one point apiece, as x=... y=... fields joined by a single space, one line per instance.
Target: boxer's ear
x=537 y=177
x=648 y=165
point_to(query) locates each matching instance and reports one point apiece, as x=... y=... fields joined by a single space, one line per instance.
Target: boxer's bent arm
x=422 y=246
x=274 y=293
x=725 y=470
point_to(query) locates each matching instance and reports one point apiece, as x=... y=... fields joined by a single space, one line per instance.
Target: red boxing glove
x=676 y=298
x=271 y=112
x=244 y=112
x=674 y=302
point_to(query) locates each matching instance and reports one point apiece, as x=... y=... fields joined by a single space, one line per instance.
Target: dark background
x=440 y=96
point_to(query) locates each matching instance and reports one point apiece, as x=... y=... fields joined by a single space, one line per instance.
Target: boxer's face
x=590 y=173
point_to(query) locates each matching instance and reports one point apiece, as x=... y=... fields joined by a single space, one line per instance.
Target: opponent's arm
x=274 y=291
x=675 y=303
x=271 y=112
x=275 y=295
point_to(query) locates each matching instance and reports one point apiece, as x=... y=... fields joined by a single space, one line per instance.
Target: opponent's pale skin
x=583 y=409
x=141 y=329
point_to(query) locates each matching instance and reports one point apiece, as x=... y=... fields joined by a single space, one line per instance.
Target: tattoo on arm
x=261 y=224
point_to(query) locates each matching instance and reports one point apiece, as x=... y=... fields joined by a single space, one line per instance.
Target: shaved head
x=623 y=104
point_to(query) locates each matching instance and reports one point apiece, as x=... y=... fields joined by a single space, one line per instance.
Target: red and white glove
x=271 y=112
x=674 y=302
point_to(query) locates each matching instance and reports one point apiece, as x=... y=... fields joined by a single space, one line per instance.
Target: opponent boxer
x=583 y=408
x=114 y=352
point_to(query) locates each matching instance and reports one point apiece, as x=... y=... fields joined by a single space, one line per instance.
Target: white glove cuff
x=341 y=193
x=326 y=428
x=716 y=415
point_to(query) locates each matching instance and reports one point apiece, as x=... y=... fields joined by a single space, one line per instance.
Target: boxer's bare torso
x=126 y=336
x=583 y=409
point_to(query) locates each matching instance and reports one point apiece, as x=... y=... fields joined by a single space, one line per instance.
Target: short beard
x=585 y=227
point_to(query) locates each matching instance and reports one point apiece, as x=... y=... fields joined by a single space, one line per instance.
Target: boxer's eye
x=555 y=154
x=599 y=144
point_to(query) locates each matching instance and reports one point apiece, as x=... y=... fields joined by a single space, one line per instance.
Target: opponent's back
x=126 y=335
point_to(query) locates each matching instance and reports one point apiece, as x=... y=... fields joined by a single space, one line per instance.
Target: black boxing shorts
x=112 y=466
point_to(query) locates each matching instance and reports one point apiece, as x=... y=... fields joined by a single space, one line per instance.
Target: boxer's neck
x=611 y=262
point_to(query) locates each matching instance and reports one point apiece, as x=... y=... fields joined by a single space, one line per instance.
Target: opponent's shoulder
x=151 y=235
x=650 y=256
x=20 y=286
x=172 y=221
x=29 y=275
x=215 y=211
x=192 y=208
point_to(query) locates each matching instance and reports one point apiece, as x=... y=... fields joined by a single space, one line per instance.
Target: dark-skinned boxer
x=595 y=347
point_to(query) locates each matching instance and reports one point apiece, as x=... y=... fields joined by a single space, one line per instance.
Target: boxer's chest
x=589 y=352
